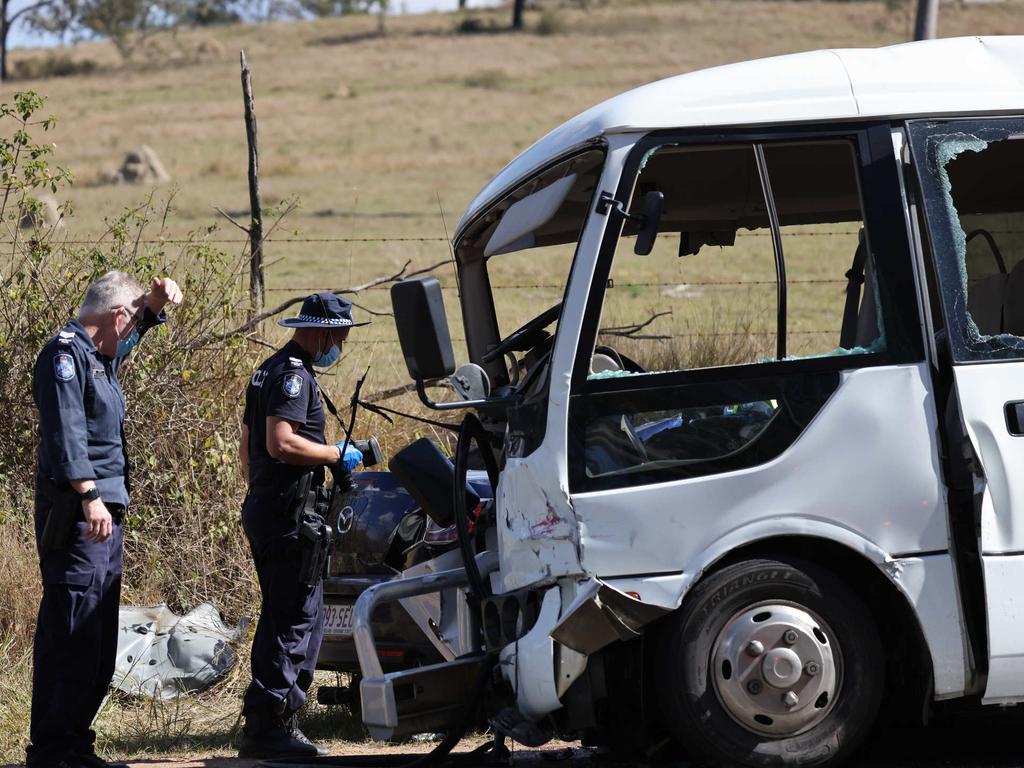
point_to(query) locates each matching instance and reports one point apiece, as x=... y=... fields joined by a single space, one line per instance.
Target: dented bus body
x=747 y=521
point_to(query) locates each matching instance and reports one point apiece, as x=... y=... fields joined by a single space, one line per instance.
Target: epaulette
x=65 y=337
x=295 y=362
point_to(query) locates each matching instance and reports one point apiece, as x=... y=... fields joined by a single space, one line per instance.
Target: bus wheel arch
x=720 y=687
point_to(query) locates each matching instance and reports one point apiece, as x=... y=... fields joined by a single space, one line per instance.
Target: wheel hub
x=781 y=668
x=776 y=669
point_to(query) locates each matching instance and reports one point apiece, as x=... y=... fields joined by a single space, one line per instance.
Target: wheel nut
x=754 y=687
x=812 y=668
x=755 y=648
x=790 y=699
x=790 y=636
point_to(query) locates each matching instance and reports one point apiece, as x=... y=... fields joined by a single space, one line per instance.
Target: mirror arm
x=606 y=203
x=487 y=403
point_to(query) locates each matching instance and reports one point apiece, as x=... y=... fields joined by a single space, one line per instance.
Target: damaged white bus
x=759 y=457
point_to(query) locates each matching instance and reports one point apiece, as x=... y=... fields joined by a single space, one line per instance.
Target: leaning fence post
x=256 y=227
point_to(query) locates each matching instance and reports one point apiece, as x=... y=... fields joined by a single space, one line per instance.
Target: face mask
x=124 y=346
x=328 y=358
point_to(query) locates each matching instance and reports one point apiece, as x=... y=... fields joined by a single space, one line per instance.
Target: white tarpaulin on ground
x=162 y=655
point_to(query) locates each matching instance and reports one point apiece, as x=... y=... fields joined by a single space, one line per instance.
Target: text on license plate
x=338 y=619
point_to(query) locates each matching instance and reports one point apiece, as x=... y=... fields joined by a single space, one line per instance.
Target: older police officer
x=81 y=495
x=283 y=454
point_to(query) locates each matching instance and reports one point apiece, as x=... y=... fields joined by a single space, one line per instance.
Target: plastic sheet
x=163 y=655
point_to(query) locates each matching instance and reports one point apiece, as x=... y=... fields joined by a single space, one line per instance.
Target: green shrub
x=183 y=385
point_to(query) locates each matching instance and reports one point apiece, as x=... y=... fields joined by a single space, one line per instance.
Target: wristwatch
x=91 y=495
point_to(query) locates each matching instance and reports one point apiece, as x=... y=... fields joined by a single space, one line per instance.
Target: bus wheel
x=771 y=663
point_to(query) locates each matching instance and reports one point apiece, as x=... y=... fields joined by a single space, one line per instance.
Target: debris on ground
x=162 y=655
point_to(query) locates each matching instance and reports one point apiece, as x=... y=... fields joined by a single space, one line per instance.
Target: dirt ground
x=974 y=740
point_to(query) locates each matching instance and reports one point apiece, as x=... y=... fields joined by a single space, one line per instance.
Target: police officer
x=81 y=497
x=283 y=444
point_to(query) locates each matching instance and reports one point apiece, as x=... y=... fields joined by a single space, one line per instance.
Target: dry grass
x=412 y=124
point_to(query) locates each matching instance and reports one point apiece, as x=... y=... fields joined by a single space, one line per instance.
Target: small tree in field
x=126 y=23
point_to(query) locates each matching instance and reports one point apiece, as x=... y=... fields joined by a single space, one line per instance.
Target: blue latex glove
x=352 y=457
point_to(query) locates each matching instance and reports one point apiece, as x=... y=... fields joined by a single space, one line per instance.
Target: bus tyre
x=770 y=663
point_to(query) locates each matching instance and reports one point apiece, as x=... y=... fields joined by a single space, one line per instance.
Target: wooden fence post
x=255 y=206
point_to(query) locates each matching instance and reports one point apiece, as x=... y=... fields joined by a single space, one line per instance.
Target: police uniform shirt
x=81 y=411
x=286 y=387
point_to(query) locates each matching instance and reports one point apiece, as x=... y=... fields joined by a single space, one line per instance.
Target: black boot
x=298 y=735
x=267 y=735
x=92 y=760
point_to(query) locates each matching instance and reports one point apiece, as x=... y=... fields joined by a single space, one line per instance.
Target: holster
x=65 y=511
x=315 y=547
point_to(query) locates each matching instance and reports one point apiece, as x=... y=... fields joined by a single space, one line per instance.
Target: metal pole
x=926 y=25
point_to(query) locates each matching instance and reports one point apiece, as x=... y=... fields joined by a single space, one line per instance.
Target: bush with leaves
x=183 y=385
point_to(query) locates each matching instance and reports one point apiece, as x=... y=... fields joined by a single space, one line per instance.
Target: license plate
x=338 y=619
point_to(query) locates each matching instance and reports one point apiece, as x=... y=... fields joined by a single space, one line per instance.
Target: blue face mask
x=124 y=346
x=328 y=358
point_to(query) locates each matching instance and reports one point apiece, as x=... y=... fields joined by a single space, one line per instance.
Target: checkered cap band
x=326 y=320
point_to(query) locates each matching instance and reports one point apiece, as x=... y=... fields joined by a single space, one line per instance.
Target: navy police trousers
x=76 y=641
x=291 y=625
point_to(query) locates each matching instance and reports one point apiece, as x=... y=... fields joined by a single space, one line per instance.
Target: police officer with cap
x=282 y=444
x=81 y=496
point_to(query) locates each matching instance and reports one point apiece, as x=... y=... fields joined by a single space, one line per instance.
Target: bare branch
x=293 y=204
x=260 y=342
x=254 y=321
x=387 y=394
x=228 y=216
x=631 y=331
x=373 y=312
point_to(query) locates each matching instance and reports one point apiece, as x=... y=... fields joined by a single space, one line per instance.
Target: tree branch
x=247 y=326
x=631 y=331
x=228 y=216
x=372 y=312
x=28 y=9
x=387 y=394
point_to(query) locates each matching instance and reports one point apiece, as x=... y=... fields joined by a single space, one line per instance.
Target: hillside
x=350 y=122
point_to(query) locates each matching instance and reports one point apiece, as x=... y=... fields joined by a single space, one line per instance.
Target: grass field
x=377 y=137
x=383 y=141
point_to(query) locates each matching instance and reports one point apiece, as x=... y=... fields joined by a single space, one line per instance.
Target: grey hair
x=114 y=289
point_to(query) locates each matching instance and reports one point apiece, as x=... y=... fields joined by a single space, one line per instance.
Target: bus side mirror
x=423 y=328
x=654 y=204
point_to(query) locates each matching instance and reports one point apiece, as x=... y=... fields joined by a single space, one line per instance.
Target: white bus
x=758 y=437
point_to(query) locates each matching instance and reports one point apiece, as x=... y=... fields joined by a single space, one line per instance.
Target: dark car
x=380 y=530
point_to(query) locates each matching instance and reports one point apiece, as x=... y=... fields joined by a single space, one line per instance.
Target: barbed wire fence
x=384 y=282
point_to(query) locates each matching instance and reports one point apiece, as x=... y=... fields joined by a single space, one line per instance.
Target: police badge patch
x=292 y=385
x=64 y=366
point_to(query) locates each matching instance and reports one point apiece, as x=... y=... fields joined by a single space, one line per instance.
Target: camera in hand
x=371 y=451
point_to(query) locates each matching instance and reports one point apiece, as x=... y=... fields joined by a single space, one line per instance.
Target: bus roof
x=935 y=78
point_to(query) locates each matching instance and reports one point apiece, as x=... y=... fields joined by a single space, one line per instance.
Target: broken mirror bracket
x=646 y=222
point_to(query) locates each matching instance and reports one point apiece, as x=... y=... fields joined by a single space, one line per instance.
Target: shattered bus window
x=970 y=175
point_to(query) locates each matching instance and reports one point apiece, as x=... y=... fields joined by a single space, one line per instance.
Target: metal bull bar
x=439 y=681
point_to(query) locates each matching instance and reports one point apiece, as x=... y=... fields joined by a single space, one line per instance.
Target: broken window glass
x=973 y=192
